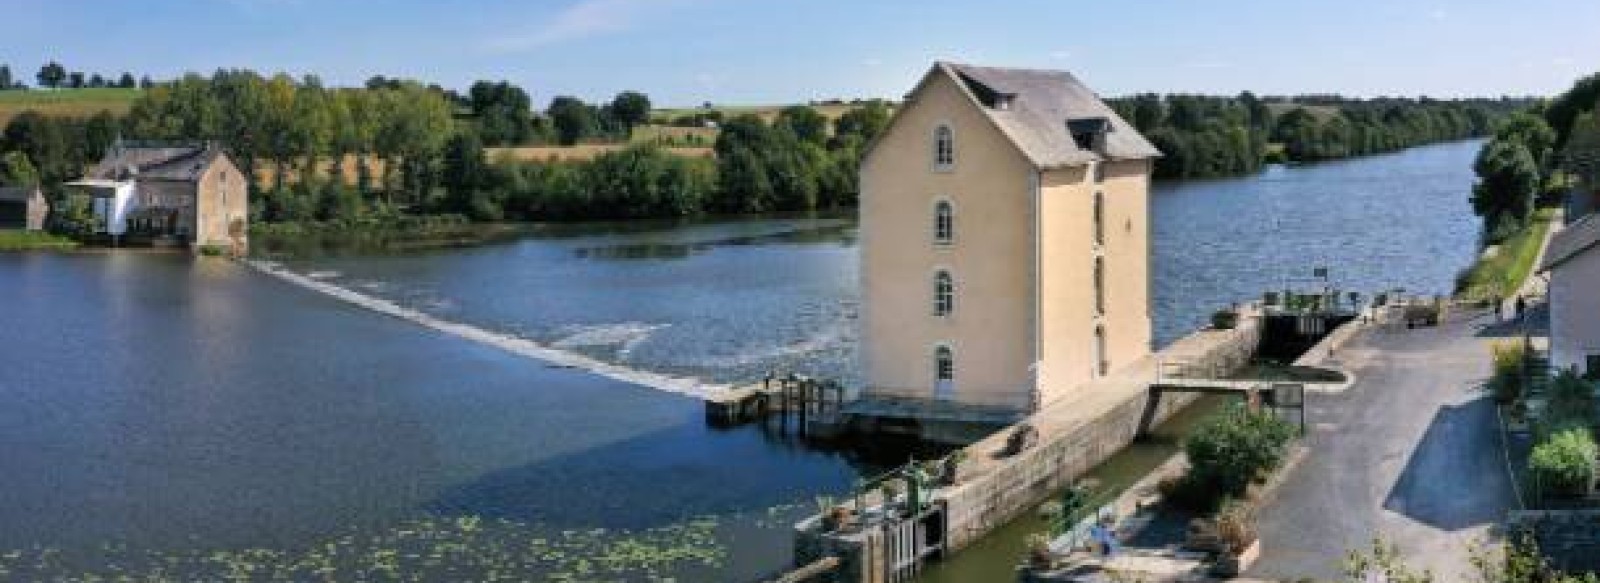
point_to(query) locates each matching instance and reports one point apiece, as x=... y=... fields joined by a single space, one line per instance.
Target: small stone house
x=1572 y=263
x=1005 y=245
x=23 y=208
x=170 y=194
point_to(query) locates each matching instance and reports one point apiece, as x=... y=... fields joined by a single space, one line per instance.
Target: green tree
x=573 y=119
x=1532 y=132
x=1232 y=450
x=126 y=81
x=631 y=108
x=504 y=112
x=865 y=122
x=1508 y=180
x=51 y=75
x=17 y=170
x=6 y=82
x=805 y=122
x=1564 y=465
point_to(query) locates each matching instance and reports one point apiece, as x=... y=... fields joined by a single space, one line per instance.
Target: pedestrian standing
x=1522 y=305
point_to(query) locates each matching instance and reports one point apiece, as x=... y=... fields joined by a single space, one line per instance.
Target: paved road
x=1409 y=452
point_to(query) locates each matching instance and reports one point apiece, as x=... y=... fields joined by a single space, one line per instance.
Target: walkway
x=1410 y=452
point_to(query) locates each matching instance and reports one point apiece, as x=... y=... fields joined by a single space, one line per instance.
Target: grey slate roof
x=1572 y=241
x=178 y=163
x=1042 y=104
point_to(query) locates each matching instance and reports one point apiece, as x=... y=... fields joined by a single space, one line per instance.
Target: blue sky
x=683 y=52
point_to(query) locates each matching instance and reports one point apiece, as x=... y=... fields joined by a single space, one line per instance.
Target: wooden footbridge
x=780 y=399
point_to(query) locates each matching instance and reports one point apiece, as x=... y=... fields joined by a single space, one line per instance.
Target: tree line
x=1536 y=155
x=55 y=76
x=800 y=161
x=1208 y=136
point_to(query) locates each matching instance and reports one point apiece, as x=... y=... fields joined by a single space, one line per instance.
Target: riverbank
x=1501 y=270
x=384 y=235
x=11 y=240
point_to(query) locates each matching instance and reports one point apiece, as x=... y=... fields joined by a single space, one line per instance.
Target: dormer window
x=1089 y=133
x=944 y=148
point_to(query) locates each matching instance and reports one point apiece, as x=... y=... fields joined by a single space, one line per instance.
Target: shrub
x=1506 y=380
x=1231 y=451
x=1224 y=319
x=1564 y=464
x=1571 y=401
x=213 y=250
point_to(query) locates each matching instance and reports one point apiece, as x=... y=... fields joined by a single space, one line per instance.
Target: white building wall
x=112 y=211
x=1575 y=311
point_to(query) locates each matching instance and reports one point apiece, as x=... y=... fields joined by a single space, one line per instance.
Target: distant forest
x=1203 y=136
x=392 y=148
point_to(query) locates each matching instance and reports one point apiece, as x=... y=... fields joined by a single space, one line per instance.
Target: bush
x=1230 y=452
x=1571 y=401
x=1506 y=380
x=213 y=250
x=1224 y=319
x=1564 y=465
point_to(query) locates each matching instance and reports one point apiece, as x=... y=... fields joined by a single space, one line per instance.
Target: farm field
x=66 y=102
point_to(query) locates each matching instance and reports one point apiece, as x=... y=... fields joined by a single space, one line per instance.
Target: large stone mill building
x=1005 y=246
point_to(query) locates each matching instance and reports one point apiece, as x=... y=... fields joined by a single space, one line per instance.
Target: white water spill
x=520 y=346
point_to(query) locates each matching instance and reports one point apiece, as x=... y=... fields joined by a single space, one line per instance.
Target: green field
x=66 y=102
x=765 y=112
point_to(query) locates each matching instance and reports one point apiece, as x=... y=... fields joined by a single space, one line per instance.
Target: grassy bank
x=394 y=235
x=33 y=240
x=1503 y=272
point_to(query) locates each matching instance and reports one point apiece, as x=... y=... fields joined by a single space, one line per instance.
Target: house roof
x=155 y=162
x=1041 y=110
x=17 y=193
x=1571 y=242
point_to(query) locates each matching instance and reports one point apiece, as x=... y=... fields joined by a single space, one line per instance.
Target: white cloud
x=585 y=19
x=1060 y=55
x=871 y=62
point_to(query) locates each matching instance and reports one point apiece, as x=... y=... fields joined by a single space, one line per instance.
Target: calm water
x=155 y=403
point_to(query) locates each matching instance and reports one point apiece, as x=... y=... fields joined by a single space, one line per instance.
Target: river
x=194 y=416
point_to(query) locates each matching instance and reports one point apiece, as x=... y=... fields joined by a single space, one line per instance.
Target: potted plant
x=1236 y=529
x=1039 y=555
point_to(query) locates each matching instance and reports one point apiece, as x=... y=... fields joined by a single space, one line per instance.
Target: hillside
x=66 y=102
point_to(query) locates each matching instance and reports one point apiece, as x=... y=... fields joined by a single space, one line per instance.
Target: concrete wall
x=222 y=207
x=983 y=505
x=1575 y=311
x=991 y=256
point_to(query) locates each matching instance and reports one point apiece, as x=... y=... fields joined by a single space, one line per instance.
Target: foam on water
x=520 y=346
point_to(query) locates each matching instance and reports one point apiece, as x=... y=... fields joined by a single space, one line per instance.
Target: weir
x=513 y=344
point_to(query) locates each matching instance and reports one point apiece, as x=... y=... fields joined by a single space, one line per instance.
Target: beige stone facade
x=970 y=185
x=190 y=194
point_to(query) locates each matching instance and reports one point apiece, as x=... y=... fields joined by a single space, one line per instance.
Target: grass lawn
x=66 y=102
x=1503 y=273
x=14 y=240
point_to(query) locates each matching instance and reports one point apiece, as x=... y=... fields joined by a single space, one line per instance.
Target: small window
x=944 y=294
x=944 y=148
x=1099 y=285
x=944 y=227
x=944 y=364
x=1099 y=218
x=1101 y=365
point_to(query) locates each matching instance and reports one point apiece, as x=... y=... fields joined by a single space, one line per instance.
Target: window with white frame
x=944 y=148
x=944 y=226
x=944 y=293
